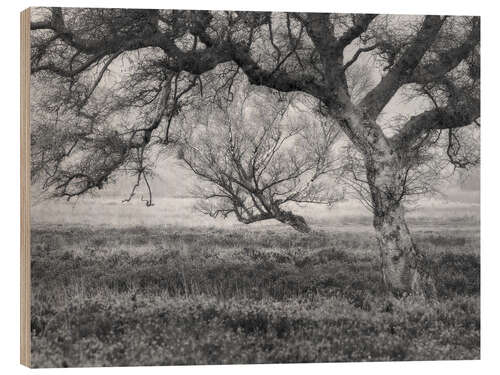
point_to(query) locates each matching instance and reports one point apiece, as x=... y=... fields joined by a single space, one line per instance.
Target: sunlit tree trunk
x=401 y=262
x=398 y=254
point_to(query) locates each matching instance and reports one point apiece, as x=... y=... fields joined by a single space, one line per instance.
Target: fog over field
x=456 y=202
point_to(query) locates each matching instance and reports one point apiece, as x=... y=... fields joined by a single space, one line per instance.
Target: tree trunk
x=402 y=265
x=295 y=221
x=399 y=256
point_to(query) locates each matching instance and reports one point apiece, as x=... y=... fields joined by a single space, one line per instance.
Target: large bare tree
x=167 y=58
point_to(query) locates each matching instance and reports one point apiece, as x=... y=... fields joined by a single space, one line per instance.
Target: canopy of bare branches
x=259 y=153
x=115 y=80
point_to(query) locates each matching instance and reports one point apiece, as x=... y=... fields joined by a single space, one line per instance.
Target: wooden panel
x=25 y=190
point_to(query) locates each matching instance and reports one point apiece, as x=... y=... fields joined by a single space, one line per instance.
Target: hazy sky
x=175 y=181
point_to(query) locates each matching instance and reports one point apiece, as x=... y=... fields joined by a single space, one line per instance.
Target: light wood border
x=25 y=191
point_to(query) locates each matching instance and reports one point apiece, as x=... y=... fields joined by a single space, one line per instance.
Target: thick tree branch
x=361 y=23
x=437 y=119
x=449 y=59
x=318 y=28
x=276 y=79
x=41 y=25
x=195 y=61
x=400 y=73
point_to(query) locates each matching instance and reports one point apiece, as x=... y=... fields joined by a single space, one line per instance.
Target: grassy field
x=194 y=293
x=347 y=215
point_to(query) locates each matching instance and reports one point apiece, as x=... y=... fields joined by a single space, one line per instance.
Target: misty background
x=457 y=200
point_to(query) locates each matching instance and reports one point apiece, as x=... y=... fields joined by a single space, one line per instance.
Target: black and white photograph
x=209 y=187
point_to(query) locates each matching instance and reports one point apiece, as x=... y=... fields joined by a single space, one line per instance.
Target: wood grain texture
x=25 y=191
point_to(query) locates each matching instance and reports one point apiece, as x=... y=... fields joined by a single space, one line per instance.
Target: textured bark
x=295 y=221
x=398 y=254
x=402 y=264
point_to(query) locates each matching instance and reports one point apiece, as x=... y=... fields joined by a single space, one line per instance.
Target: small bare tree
x=258 y=153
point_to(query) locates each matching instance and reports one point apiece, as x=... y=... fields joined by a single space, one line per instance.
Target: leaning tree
x=258 y=155
x=115 y=81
